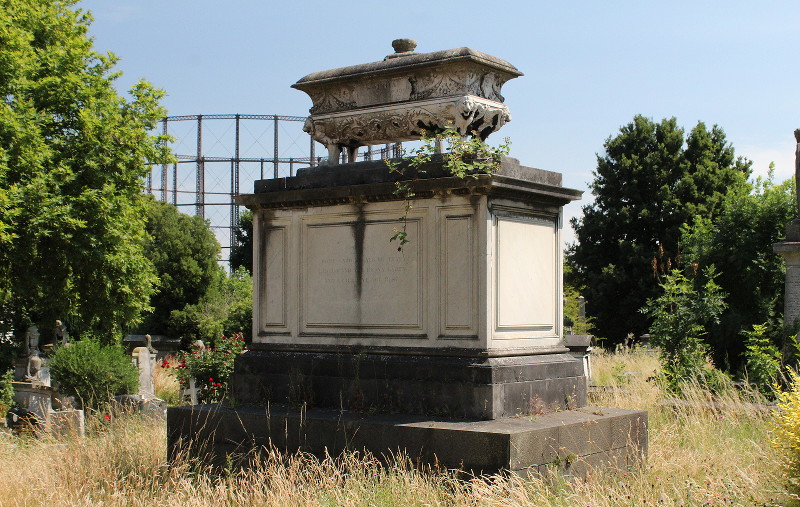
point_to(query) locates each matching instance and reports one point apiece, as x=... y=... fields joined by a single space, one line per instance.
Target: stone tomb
x=463 y=320
x=38 y=400
x=448 y=348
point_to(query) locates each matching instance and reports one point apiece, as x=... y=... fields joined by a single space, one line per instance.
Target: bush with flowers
x=211 y=367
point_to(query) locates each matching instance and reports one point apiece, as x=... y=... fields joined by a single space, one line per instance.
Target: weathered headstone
x=145 y=402
x=790 y=251
x=144 y=358
x=447 y=340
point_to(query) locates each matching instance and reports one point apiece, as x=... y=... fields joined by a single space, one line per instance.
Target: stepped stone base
x=467 y=387
x=572 y=441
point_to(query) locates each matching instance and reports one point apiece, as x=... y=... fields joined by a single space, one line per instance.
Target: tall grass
x=165 y=383
x=700 y=453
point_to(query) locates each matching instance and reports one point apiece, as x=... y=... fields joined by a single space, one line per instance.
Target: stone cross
x=192 y=392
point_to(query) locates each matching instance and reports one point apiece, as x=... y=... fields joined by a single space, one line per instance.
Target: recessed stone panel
x=457 y=277
x=526 y=273
x=355 y=278
x=272 y=306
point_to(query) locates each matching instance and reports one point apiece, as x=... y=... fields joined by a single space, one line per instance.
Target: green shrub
x=681 y=316
x=212 y=368
x=92 y=372
x=763 y=359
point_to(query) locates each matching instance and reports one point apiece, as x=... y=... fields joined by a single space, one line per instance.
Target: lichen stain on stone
x=359 y=229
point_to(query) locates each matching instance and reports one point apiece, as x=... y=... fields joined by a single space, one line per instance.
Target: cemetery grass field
x=698 y=455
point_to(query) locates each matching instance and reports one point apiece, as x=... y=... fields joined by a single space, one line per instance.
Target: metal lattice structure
x=221 y=155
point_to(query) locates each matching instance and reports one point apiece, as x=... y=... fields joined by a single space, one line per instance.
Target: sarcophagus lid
x=406 y=94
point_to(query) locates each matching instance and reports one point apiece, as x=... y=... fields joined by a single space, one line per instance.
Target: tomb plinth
x=464 y=319
x=447 y=347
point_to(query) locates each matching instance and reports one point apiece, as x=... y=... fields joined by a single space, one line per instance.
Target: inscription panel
x=526 y=274
x=355 y=278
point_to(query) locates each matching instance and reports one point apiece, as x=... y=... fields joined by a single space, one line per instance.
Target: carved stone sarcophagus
x=405 y=95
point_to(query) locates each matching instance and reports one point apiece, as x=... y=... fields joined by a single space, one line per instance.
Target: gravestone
x=144 y=358
x=790 y=251
x=145 y=402
x=448 y=347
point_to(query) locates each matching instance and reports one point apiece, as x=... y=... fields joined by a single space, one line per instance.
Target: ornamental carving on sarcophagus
x=459 y=82
x=467 y=115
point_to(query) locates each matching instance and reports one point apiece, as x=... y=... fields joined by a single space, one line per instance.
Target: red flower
x=107 y=417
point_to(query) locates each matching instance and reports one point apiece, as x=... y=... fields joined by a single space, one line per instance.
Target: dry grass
x=699 y=454
x=165 y=384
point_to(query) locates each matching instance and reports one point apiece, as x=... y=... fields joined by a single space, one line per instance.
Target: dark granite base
x=472 y=388
x=571 y=440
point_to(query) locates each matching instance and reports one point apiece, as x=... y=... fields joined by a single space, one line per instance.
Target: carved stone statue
x=148 y=342
x=34 y=366
x=32 y=340
x=793 y=229
x=62 y=337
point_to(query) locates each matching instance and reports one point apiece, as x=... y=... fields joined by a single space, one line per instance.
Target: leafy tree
x=225 y=309
x=242 y=253
x=72 y=157
x=650 y=181
x=739 y=243
x=184 y=251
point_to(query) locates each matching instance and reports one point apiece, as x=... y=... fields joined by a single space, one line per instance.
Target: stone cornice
x=372 y=182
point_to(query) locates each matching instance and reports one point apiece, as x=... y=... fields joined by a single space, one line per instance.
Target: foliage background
x=651 y=180
x=739 y=244
x=72 y=155
x=184 y=252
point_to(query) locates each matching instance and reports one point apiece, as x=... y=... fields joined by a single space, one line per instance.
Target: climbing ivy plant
x=462 y=157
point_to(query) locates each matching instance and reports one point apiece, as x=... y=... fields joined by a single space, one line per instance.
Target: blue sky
x=589 y=66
